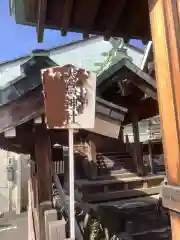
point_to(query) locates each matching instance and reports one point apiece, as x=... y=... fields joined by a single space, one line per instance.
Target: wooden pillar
x=165 y=28
x=137 y=152
x=44 y=164
x=43 y=174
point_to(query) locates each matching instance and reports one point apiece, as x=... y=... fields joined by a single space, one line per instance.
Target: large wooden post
x=165 y=27
x=44 y=164
x=43 y=175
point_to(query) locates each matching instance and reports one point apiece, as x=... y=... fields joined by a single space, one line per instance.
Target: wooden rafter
x=85 y=35
x=117 y=10
x=41 y=17
x=68 y=7
x=79 y=20
x=93 y=10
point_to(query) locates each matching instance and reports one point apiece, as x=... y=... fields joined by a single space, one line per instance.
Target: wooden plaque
x=69 y=97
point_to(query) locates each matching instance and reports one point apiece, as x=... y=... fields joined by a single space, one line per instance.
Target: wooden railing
x=58 y=167
x=154 y=132
x=44 y=224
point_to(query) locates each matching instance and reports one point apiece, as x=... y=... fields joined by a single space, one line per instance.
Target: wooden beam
x=117 y=10
x=43 y=189
x=165 y=30
x=41 y=17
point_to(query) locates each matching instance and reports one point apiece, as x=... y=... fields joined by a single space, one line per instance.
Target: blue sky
x=18 y=40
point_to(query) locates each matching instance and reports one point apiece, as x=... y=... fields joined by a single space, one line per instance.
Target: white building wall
x=3 y=182
x=13 y=196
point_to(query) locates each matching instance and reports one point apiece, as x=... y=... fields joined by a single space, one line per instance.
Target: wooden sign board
x=69 y=97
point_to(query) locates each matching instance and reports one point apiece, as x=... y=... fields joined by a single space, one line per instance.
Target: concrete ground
x=14 y=226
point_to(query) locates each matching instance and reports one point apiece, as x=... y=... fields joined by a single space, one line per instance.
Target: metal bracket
x=171 y=197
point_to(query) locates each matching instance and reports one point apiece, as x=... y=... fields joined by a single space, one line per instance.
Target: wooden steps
x=106 y=163
x=115 y=174
x=110 y=195
x=155 y=234
x=139 y=216
x=113 y=161
x=119 y=188
x=121 y=179
x=130 y=203
x=116 y=179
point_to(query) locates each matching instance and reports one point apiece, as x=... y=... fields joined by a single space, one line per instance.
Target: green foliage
x=97 y=64
x=93 y=230
x=105 y=54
